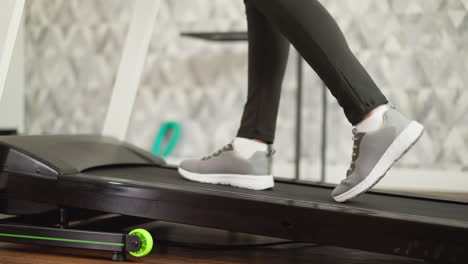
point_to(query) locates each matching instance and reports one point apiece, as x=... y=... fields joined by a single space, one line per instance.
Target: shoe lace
x=356 y=141
x=227 y=147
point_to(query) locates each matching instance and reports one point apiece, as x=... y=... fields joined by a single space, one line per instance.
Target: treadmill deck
x=302 y=195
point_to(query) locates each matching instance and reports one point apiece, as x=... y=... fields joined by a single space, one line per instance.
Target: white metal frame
x=12 y=29
x=131 y=68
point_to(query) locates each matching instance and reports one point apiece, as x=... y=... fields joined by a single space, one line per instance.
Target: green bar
x=63 y=239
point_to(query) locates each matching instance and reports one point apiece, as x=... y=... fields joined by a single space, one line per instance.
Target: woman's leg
x=245 y=163
x=385 y=135
x=314 y=33
x=268 y=55
x=317 y=37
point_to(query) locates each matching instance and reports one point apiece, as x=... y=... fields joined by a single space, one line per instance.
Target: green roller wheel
x=146 y=242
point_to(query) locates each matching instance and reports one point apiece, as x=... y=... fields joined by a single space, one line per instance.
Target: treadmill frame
x=117 y=243
x=316 y=223
x=57 y=232
x=92 y=173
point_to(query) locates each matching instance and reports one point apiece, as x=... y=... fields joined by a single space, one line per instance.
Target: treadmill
x=106 y=175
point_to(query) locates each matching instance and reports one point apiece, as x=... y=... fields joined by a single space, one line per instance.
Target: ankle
x=369 y=114
x=373 y=120
x=258 y=140
x=247 y=147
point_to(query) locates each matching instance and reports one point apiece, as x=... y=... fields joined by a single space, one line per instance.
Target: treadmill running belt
x=431 y=210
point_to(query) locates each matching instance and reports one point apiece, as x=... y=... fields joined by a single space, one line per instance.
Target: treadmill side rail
x=115 y=242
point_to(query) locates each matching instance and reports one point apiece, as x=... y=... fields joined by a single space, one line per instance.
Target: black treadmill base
x=101 y=174
x=264 y=213
x=117 y=243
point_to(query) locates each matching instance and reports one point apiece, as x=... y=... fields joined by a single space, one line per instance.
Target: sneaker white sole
x=253 y=182
x=395 y=151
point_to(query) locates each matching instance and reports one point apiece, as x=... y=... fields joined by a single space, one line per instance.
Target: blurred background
x=415 y=50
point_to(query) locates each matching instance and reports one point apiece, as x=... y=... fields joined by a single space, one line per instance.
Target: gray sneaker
x=227 y=167
x=375 y=153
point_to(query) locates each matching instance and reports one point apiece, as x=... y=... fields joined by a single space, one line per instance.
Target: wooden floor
x=14 y=254
x=297 y=253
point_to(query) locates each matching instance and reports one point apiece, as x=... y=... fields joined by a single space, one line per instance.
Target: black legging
x=272 y=25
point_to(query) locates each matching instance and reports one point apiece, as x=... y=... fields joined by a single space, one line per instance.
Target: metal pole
x=9 y=32
x=323 y=157
x=131 y=68
x=63 y=218
x=298 y=117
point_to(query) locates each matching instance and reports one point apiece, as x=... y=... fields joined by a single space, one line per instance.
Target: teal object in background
x=169 y=131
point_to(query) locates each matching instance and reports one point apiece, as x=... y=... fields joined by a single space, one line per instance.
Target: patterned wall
x=414 y=49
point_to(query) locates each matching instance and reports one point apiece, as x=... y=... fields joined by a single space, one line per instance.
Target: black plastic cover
x=58 y=155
